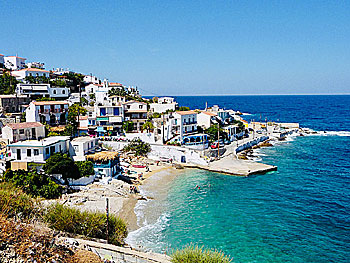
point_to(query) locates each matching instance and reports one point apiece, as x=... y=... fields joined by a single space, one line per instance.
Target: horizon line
x=295 y=94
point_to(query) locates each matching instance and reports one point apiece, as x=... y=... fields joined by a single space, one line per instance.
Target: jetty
x=232 y=166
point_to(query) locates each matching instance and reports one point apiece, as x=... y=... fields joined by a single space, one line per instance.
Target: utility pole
x=218 y=140
x=107 y=217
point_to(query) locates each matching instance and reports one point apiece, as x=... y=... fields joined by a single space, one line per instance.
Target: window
x=47 y=151
x=29 y=152
x=36 y=152
x=116 y=111
x=21 y=131
x=140 y=106
x=76 y=148
x=63 y=92
x=103 y=111
x=54 y=92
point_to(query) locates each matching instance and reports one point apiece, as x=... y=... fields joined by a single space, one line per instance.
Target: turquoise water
x=299 y=213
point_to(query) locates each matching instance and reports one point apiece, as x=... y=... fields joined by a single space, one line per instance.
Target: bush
x=89 y=224
x=33 y=183
x=86 y=168
x=15 y=203
x=199 y=255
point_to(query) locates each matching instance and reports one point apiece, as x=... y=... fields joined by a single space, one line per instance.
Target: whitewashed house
x=22 y=131
x=30 y=72
x=205 y=119
x=136 y=112
x=91 y=79
x=109 y=117
x=37 y=151
x=82 y=146
x=42 y=90
x=35 y=65
x=14 y=62
x=51 y=112
x=164 y=104
x=184 y=123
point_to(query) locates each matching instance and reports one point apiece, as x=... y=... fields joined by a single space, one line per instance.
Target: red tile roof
x=186 y=112
x=34 y=69
x=23 y=125
x=16 y=57
x=209 y=113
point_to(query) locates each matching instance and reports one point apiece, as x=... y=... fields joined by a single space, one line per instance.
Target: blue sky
x=189 y=47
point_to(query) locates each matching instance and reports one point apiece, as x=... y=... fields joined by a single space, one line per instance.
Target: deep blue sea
x=299 y=213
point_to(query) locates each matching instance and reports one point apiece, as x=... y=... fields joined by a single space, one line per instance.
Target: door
x=18 y=154
x=33 y=133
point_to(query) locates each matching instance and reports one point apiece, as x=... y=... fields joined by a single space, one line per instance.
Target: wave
x=335 y=133
x=149 y=237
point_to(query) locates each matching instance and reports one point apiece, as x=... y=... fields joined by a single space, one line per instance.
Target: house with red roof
x=15 y=132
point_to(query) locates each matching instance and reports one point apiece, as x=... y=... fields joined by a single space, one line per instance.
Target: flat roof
x=42 y=143
x=23 y=125
x=83 y=139
x=188 y=112
x=50 y=102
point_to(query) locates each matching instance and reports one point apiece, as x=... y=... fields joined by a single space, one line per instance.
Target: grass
x=191 y=254
x=89 y=224
x=15 y=203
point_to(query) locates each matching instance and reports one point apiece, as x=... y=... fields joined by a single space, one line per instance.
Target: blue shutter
x=116 y=111
x=103 y=111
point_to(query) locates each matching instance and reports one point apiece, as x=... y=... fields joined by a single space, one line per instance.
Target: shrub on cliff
x=33 y=183
x=15 y=203
x=196 y=254
x=89 y=224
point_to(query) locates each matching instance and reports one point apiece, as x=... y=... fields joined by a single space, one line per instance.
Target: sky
x=188 y=47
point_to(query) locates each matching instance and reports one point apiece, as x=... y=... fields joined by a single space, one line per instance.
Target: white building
x=163 y=104
x=61 y=71
x=14 y=62
x=37 y=151
x=205 y=119
x=32 y=72
x=22 y=131
x=36 y=65
x=109 y=117
x=51 y=112
x=42 y=90
x=136 y=112
x=82 y=146
x=91 y=79
x=184 y=123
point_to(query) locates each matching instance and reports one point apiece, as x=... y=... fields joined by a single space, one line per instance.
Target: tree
x=117 y=92
x=74 y=111
x=75 y=81
x=37 y=80
x=183 y=108
x=86 y=168
x=212 y=131
x=60 y=163
x=155 y=99
x=138 y=147
x=128 y=126
x=148 y=126
x=7 y=83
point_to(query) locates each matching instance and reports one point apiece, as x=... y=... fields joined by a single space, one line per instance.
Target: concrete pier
x=232 y=166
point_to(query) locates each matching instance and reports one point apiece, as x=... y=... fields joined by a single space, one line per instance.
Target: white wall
x=160 y=108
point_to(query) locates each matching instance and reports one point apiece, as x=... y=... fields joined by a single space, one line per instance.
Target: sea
x=299 y=213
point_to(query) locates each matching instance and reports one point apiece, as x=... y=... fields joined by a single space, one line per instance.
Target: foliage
x=84 y=101
x=75 y=81
x=59 y=163
x=212 y=131
x=33 y=183
x=86 y=168
x=183 y=108
x=74 y=111
x=155 y=99
x=58 y=83
x=15 y=203
x=241 y=126
x=37 y=79
x=148 y=126
x=7 y=84
x=92 y=96
x=90 y=224
x=45 y=99
x=117 y=92
x=199 y=255
x=156 y=115
x=138 y=147
x=51 y=133
x=128 y=126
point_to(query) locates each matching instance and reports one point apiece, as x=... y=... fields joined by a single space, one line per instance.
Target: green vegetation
x=7 y=83
x=196 y=254
x=37 y=80
x=60 y=163
x=148 y=126
x=33 y=183
x=128 y=126
x=74 y=81
x=90 y=224
x=45 y=99
x=156 y=115
x=138 y=147
x=212 y=131
x=15 y=203
x=58 y=83
x=86 y=168
x=117 y=92
x=74 y=111
x=183 y=108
